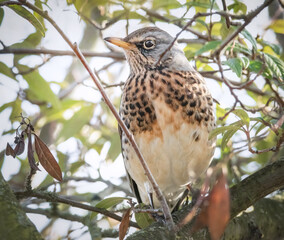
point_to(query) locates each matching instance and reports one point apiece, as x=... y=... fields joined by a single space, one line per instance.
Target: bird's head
x=144 y=47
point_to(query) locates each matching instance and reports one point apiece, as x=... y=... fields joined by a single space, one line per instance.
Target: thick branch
x=257 y=186
x=243 y=195
x=15 y=225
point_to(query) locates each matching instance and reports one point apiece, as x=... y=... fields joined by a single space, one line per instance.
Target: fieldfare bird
x=169 y=110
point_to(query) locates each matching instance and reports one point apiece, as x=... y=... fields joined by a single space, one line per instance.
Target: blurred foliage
x=252 y=65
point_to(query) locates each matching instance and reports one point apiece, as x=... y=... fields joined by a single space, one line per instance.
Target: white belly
x=172 y=153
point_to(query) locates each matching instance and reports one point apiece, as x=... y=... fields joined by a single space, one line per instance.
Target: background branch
x=51 y=197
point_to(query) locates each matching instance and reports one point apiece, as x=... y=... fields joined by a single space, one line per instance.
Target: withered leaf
x=202 y=218
x=10 y=151
x=124 y=225
x=20 y=147
x=47 y=160
x=215 y=210
x=31 y=153
x=218 y=208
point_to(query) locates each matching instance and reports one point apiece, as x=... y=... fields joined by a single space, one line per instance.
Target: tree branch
x=14 y=222
x=267 y=180
x=248 y=19
x=51 y=197
x=243 y=195
x=114 y=55
x=112 y=233
x=219 y=79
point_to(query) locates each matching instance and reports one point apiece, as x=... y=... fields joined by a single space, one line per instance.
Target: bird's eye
x=149 y=44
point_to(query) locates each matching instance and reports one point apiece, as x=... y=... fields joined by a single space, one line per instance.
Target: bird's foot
x=158 y=217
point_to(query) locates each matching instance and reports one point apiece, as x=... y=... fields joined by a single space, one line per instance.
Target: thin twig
x=248 y=19
x=49 y=213
x=226 y=17
x=178 y=23
x=115 y=55
x=197 y=15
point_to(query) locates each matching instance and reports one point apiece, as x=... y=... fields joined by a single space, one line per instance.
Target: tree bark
x=265 y=221
x=14 y=223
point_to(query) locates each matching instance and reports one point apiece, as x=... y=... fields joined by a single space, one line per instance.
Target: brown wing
x=132 y=183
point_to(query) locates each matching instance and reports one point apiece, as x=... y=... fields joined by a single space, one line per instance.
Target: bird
x=169 y=110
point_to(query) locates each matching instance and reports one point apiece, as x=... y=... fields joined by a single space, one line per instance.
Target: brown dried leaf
x=47 y=160
x=124 y=225
x=31 y=153
x=20 y=147
x=202 y=218
x=218 y=208
x=10 y=151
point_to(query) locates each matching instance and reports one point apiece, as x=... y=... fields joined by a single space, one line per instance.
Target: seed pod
x=31 y=153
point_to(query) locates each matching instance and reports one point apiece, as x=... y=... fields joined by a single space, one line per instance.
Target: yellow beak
x=119 y=42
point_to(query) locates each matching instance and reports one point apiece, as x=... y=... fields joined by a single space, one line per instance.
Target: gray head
x=144 y=47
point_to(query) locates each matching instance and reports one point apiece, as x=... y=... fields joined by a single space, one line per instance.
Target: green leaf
x=278 y=26
x=108 y=203
x=16 y=110
x=235 y=64
x=38 y=4
x=238 y=7
x=200 y=25
x=87 y=7
x=261 y=126
x=168 y=4
x=6 y=71
x=1 y=15
x=143 y=219
x=239 y=48
x=76 y=165
x=115 y=146
x=72 y=126
x=250 y=38
x=191 y=49
x=220 y=112
x=245 y=62
x=275 y=47
x=227 y=136
x=201 y=4
x=6 y=105
x=255 y=66
x=275 y=64
x=31 y=41
x=215 y=132
x=56 y=114
x=242 y=114
x=39 y=88
x=208 y=46
x=28 y=16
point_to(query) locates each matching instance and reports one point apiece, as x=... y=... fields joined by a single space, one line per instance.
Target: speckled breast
x=170 y=115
